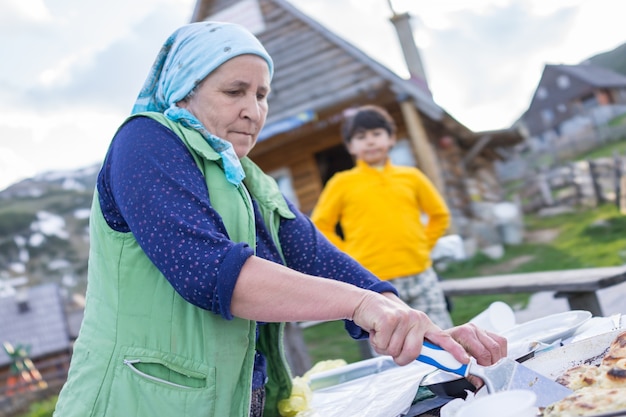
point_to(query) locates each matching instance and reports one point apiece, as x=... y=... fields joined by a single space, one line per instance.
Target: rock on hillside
x=43 y=229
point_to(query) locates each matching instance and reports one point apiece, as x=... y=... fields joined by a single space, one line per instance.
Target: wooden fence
x=15 y=399
x=581 y=183
x=558 y=152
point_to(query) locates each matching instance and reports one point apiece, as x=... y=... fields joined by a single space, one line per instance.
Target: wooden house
x=571 y=97
x=318 y=75
x=34 y=318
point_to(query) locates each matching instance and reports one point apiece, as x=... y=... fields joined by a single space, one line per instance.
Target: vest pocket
x=152 y=383
x=162 y=373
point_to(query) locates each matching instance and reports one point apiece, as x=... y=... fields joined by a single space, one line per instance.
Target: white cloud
x=13 y=167
x=483 y=58
x=32 y=11
x=71 y=72
x=54 y=140
x=72 y=69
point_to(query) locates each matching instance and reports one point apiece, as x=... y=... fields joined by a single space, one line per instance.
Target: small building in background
x=570 y=101
x=34 y=319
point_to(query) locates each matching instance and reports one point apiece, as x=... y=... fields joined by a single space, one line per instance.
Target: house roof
x=316 y=69
x=41 y=325
x=593 y=75
x=582 y=80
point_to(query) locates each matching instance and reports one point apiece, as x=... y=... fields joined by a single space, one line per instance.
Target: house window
x=590 y=102
x=563 y=82
x=547 y=116
x=21 y=299
x=402 y=154
x=285 y=185
x=542 y=93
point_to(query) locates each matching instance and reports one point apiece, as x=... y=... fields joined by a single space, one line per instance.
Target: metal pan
x=555 y=362
x=612 y=414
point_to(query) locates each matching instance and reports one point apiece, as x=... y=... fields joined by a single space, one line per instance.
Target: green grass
x=619 y=120
x=330 y=341
x=43 y=408
x=605 y=151
x=586 y=238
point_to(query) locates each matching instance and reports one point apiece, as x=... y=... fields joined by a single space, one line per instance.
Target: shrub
x=43 y=408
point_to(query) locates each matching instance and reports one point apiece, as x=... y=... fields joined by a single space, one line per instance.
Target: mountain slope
x=614 y=60
x=44 y=229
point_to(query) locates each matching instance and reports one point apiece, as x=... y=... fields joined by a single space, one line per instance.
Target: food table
x=368 y=383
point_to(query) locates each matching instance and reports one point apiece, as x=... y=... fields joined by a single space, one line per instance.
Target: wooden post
x=296 y=350
x=597 y=189
x=544 y=188
x=577 y=186
x=424 y=153
x=622 y=200
x=621 y=195
x=617 y=177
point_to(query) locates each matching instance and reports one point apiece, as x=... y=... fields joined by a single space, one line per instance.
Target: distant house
x=570 y=98
x=34 y=318
x=318 y=75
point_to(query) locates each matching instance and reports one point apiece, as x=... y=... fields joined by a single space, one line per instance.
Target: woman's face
x=231 y=102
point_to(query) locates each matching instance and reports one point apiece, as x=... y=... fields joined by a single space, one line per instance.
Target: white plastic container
x=496 y=318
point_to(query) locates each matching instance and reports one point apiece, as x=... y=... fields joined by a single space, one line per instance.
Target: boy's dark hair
x=365 y=118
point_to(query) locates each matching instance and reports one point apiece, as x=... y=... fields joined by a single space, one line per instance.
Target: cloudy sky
x=71 y=69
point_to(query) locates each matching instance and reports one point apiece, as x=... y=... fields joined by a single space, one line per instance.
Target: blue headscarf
x=186 y=58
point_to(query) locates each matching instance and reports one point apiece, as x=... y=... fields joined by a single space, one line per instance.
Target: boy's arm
x=327 y=213
x=438 y=223
x=435 y=207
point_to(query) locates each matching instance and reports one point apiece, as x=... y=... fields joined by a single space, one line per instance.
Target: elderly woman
x=197 y=259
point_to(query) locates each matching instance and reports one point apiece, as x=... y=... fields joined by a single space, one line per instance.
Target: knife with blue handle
x=504 y=375
x=436 y=356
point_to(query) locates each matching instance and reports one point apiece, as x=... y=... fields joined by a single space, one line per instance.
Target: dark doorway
x=332 y=160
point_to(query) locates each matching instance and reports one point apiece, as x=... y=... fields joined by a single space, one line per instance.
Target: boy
x=379 y=208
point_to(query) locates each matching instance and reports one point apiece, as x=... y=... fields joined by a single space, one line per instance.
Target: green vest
x=145 y=351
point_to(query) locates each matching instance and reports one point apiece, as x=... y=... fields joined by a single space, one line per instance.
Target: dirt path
x=535 y=236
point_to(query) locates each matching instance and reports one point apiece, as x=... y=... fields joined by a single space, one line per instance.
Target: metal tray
x=350 y=372
x=555 y=362
x=621 y=413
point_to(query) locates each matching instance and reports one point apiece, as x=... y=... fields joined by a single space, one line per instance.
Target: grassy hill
x=43 y=229
x=614 y=60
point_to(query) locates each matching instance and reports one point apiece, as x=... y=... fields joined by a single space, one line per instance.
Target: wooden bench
x=579 y=286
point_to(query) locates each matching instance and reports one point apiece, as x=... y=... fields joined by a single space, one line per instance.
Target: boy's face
x=371 y=146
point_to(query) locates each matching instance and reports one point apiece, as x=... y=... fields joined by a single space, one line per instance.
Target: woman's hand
x=397 y=330
x=485 y=346
x=488 y=348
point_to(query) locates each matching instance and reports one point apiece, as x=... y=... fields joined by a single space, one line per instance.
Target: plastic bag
x=386 y=394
